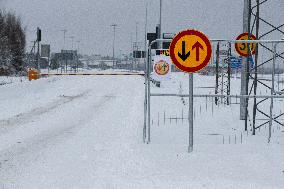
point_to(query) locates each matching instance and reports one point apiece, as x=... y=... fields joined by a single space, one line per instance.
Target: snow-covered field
x=86 y=132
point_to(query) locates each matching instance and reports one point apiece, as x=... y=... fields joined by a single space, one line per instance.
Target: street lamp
x=114 y=26
x=78 y=48
x=64 y=36
x=72 y=38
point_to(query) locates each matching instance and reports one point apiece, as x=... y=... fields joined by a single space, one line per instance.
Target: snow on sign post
x=191 y=52
x=161 y=68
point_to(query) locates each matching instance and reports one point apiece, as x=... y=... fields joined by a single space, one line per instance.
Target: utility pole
x=72 y=38
x=136 y=46
x=78 y=45
x=136 y=34
x=78 y=49
x=38 y=53
x=132 y=49
x=72 y=50
x=245 y=68
x=64 y=37
x=145 y=62
x=114 y=26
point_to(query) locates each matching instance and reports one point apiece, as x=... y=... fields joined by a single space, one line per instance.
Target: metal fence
x=274 y=94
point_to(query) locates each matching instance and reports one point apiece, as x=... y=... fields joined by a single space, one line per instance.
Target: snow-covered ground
x=4 y=80
x=86 y=132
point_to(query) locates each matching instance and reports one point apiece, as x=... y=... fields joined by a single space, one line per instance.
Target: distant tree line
x=12 y=44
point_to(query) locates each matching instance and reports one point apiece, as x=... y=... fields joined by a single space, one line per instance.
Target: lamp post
x=160 y=26
x=114 y=27
x=72 y=42
x=78 y=49
x=64 y=36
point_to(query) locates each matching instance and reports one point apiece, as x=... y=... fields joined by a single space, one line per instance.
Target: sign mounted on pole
x=161 y=68
x=243 y=48
x=45 y=50
x=164 y=52
x=190 y=51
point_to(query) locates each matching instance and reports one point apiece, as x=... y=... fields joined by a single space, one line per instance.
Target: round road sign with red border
x=162 y=67
x=190 y=51
x=242 y=48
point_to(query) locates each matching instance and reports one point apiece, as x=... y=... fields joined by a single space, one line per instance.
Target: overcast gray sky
x=89 y=20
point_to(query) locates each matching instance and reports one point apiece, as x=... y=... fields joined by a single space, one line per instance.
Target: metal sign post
x=190 y=113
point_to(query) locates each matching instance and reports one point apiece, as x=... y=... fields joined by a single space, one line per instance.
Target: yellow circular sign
x=190 y=51
x=162 y=68
x=243 y=48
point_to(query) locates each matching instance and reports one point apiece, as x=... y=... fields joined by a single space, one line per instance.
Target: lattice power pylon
x=223 y=72
x=263 y=29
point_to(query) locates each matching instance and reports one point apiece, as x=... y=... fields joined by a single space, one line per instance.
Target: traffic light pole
x=38 y=53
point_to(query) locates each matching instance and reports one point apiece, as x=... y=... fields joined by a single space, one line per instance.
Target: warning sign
x=161 y=68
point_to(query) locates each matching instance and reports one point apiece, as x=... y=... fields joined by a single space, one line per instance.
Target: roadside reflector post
x=33 y=75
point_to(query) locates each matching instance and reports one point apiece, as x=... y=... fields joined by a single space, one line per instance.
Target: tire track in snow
x=17 y=157
x=23 y=118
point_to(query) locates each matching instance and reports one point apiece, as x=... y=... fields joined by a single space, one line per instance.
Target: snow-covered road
x=86 y=132
x=81 y=134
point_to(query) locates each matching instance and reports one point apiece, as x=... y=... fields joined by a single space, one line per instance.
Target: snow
x=86 y=132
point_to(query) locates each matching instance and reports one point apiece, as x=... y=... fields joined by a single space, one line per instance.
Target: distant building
x=66 y=59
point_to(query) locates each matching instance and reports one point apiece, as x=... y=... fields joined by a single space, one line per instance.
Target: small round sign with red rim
x=243 y=48
x=190 y=51
x=162 y=68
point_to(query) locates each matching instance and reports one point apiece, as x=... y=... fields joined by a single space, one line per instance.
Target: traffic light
x=38 y=33
x=166 y=45
x=139 y=54
x=152 y=37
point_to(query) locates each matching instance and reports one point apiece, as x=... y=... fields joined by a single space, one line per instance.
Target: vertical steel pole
x=48 y=61
x=248 y=67
x=272 y=93
x=160 y=21
x=229 y=72
x=148 y=97
x=246 y=28
x=222 y=82
x=38 y=57
x=190 y=113
x=113 y=45
x=145 y=72
x=136 y=46
x=255 y=69
x=160 y=44
x=64 y=40
x=38 y=53
x=217 y=72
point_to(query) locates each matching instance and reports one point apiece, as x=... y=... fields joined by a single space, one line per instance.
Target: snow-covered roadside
x=86 y=132
x=4 y=80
